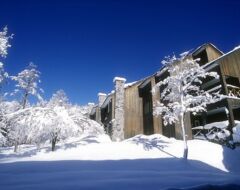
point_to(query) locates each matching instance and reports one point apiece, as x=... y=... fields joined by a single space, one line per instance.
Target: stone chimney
x=118 y=124
x=101 y=99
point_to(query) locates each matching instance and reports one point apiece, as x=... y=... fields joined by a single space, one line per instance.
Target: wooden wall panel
x=212 y=53
x=230 y=64
x=133 y=112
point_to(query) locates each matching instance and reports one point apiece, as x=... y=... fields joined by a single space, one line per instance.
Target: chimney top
x=119 y=79
x=102 y=94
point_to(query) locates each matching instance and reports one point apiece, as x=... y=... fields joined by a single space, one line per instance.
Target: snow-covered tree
x=6 y=107
x=4 y=42
x=2 y=138
x=3 y=75
x=27 y=83
x=37 y=125
x=59 y=99
x=81 y=119
x=63 y=128
x=182 y=93
x=86 y=109
x=14 y=122
x=4 y=45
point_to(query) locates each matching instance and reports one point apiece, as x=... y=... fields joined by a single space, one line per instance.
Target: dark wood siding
x=230 y=64
x=133 y=112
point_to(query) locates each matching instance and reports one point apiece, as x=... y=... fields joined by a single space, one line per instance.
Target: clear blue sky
x=79 y=46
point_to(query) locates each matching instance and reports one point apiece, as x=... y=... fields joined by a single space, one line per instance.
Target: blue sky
x=80 y=46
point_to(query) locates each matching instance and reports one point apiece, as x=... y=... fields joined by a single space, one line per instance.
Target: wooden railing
x=233 y=90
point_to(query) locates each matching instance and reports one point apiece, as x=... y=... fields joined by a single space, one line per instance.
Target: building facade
x=128 y=109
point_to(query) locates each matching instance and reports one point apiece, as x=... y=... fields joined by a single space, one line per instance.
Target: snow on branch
x=4 y=42
x=182 y=89
x=27 y=82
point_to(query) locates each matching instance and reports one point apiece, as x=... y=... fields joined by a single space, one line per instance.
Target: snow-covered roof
x=237 y=47
x=162 y=70
x=106 y=101
x=221 y=57
x=146 y=80
x=130 y=84
x=193 y=51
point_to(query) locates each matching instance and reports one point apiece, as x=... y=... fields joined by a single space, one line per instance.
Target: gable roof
x=221 y=57
x=203 y=46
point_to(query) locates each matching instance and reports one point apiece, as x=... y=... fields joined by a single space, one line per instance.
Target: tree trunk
x=15 y=147
x=54 y=140
x=185 y=153
x=24 y=101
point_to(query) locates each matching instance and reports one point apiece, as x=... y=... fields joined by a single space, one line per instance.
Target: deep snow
x=142 y=162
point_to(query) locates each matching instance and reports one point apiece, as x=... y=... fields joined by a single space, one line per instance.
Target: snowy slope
x=142 y=162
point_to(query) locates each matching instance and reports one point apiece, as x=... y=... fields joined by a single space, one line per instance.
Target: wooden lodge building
x=135 y=106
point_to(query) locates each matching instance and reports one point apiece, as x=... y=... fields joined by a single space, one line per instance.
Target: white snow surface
x=141 y=162
x=236 y=133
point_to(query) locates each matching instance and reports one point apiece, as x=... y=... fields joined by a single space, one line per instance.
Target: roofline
x=206 y=44
x=146 y=78
x=221 y=57
x=106 y=101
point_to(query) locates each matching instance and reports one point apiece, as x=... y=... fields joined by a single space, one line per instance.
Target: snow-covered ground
x=142 y=162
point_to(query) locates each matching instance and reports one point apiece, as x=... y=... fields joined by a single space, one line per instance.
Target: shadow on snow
x=152 y=143
x=138 y=174
x=33 y=150
x=230 y=160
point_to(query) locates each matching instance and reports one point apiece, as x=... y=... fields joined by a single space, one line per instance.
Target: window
x=203 y=57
